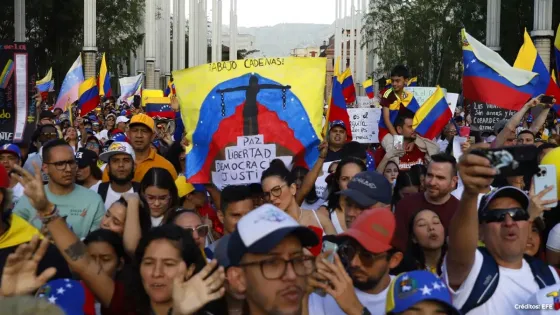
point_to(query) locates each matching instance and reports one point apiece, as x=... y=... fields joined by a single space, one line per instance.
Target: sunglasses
x=349 y=250
x=201 y=230
x=499 y=215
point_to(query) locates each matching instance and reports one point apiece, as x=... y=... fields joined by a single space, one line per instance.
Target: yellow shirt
x=142 y=167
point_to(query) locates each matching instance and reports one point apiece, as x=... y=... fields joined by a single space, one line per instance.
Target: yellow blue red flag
x=104 y=79
x=239 y=115
x=368 y=86
x=430 y=119
x=88 y=96
x=557 y=51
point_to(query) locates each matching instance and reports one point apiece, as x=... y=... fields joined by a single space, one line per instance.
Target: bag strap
x=485 y=284
x=541 y=271
x=103 y=189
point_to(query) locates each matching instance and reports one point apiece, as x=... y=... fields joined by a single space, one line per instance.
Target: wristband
x=50 y=217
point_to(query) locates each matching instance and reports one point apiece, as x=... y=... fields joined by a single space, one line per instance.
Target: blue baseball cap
x=11 y=148
x=221 y=251
x=368 y=188
x=199 y=188
x=411 y=288
x=339 y=123
x=70 y=295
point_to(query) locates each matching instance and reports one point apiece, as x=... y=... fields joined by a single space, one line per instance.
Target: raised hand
x=536 y=203
x=475 y=171
x=323 y=149
x=190 y=295
x=19 y=276
x=32 y=187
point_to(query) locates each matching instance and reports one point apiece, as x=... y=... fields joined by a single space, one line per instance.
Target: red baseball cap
x=374 y=230
x=4 y=179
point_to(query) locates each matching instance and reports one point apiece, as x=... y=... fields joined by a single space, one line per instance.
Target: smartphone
x=512 y=161
x=546 y=177
x=398 y=142
x=333 y=248
x=472 y=140
x=547 y=99
x=464 y=131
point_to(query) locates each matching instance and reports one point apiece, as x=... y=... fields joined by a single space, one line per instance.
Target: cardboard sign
x=17 y=111
x=421 y=94
x=485 y=116
x=365 y=124
x=320 y=184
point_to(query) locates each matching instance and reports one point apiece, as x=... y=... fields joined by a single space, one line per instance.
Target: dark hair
x=300 y=171
x=334 y=198
x=234 y=193
x=181 y=240
x=415 y=254
x=173 y=154
x=110 y=237
x=354 y=149
x=527 y=131
x=278 y=168
x=160 y=178
x=419 y=170
x=404 y=179
x=174 y=214
x=402 y=117
x=95 y=171
x=51 y=145
x=446 y=158
x=400 y=71
x=6 y=205
x=256 y=190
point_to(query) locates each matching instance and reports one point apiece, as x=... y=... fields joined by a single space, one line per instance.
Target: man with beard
x=88 y=174
x=358 y=281
x=337 y=139
x=441 y=179
x=82 y=208
x=120 y=166
x=268 y=263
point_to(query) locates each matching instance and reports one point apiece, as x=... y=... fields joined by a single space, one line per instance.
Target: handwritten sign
x=247 y=63
x=364 y=102
x=17 y=113
x=245 y=162
x=485 y=116
x=421 y=94
x=365 y=124
x=320 y=183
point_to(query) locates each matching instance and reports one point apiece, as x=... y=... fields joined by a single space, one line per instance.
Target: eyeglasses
x=276 y=192
x=499 y=215
x=92 y=145
x=348 y=251
x=152 y=199
x=201 y=230
x=273 y=269
x=61 y=165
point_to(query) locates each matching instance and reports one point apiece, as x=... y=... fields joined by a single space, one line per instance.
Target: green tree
x=54 y=31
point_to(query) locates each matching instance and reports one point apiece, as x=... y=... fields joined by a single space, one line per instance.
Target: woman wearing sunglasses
x=279 y=189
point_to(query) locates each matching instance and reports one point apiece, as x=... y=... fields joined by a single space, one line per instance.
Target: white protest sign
x=245 y=162
x=365 y=124
x=421 y=94
x=320 y=184
x=452 y=99
x=364 y=102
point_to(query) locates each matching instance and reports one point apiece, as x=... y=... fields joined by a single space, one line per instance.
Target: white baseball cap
x=122 y=119
x=117 y=147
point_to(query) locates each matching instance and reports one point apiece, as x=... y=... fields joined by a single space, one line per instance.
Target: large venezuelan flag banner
x=239 y=115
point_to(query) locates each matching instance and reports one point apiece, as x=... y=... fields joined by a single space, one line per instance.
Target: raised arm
x=73 y=250
x=477 y=175
x=511 y=126
x=311 y=177
x=132 y=229
x=541 y=119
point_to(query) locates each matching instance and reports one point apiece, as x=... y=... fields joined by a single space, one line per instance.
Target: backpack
x=104 y=187
x=489 y=276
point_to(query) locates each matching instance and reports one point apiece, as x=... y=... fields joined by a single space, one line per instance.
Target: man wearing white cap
x=120 y=167
x=121 y=123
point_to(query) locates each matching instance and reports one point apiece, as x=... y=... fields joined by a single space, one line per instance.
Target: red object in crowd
x=316 y=250
x=208 y=211
x=4 y=179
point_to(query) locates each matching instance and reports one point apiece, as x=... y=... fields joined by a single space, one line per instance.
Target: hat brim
x=359 y=198
x=510 y=192
x=106 y=156
x=11 y=152
x=402 y=306
x=140 y=123
x=370 y=244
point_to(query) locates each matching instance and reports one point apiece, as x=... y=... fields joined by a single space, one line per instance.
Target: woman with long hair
x=71 y=136
x=159 y=193
x=279 y=189
x=345 y=171
x=391 y=172
x=407 y=183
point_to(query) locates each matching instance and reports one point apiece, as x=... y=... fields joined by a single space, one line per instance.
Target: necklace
x=300 y=215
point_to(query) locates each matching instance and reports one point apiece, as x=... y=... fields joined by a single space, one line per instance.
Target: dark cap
x=338 y=123
x=506 y=191
x=85 y=158
x=46 y=114
x=368 y=188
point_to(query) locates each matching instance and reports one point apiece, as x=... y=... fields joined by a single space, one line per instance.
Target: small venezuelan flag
x=368 y=86
x=159 y=107
x=170 y=89
x=347 y=83
x=432 y=116
x=88 y=98
x=104 y=79
x=413 y=81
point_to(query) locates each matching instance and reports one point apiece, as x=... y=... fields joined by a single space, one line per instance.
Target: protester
x=393 y=99
x=106 y=249
x=87 y=174
x=337 y=138
x=407 y=183
x=502 y=221
x=268 y=262
x=160 y=194
x=122 y=122
x=440 y=181
x=311 y=201
x=120 y=167
x=10 y=155
x=368 y=255
x=81 y=207
x=141 y=135
x=191 y=222
x=236 y=202
x=42 y=135
x=526 y=137
x=391 y=172
x=535 y=242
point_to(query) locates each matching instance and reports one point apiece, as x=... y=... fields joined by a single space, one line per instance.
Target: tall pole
x=493 y=24
x=359 y=61
x=19 y=19
x=166 y=38
x=352 y=40
x=179 y=44
x=336 y=32
x=193 y=46
x=203 y=31
x=363 y=52
x=542 y=29
x=90 y=46
x=158 y=45
x=140 y=55
x=214 y=30
x=175 y=61
x=220 y=17
x=344 y=38
x=150 y=43
x=233 y=30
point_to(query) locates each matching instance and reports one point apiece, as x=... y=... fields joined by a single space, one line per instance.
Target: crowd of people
x=98 y=217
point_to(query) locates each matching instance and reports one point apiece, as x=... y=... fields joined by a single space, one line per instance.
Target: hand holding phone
x=332 y=248
x=546 y=99
x=543 y=179
x=464 y=131
x=398 y=142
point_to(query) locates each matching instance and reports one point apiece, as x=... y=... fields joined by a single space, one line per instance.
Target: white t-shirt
x=112 y=195
x=17 y=192
x=553 y=241
x=515 y=286
x=156 y=221
x=327 y=305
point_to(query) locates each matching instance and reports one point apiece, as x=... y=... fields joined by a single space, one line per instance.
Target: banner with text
x=320 y=183
x=422 y=94
x=365 y=124
x=485 y=116
x=241 y=114
x=17 y=115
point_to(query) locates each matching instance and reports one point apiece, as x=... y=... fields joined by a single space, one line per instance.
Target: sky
x=251 y=13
